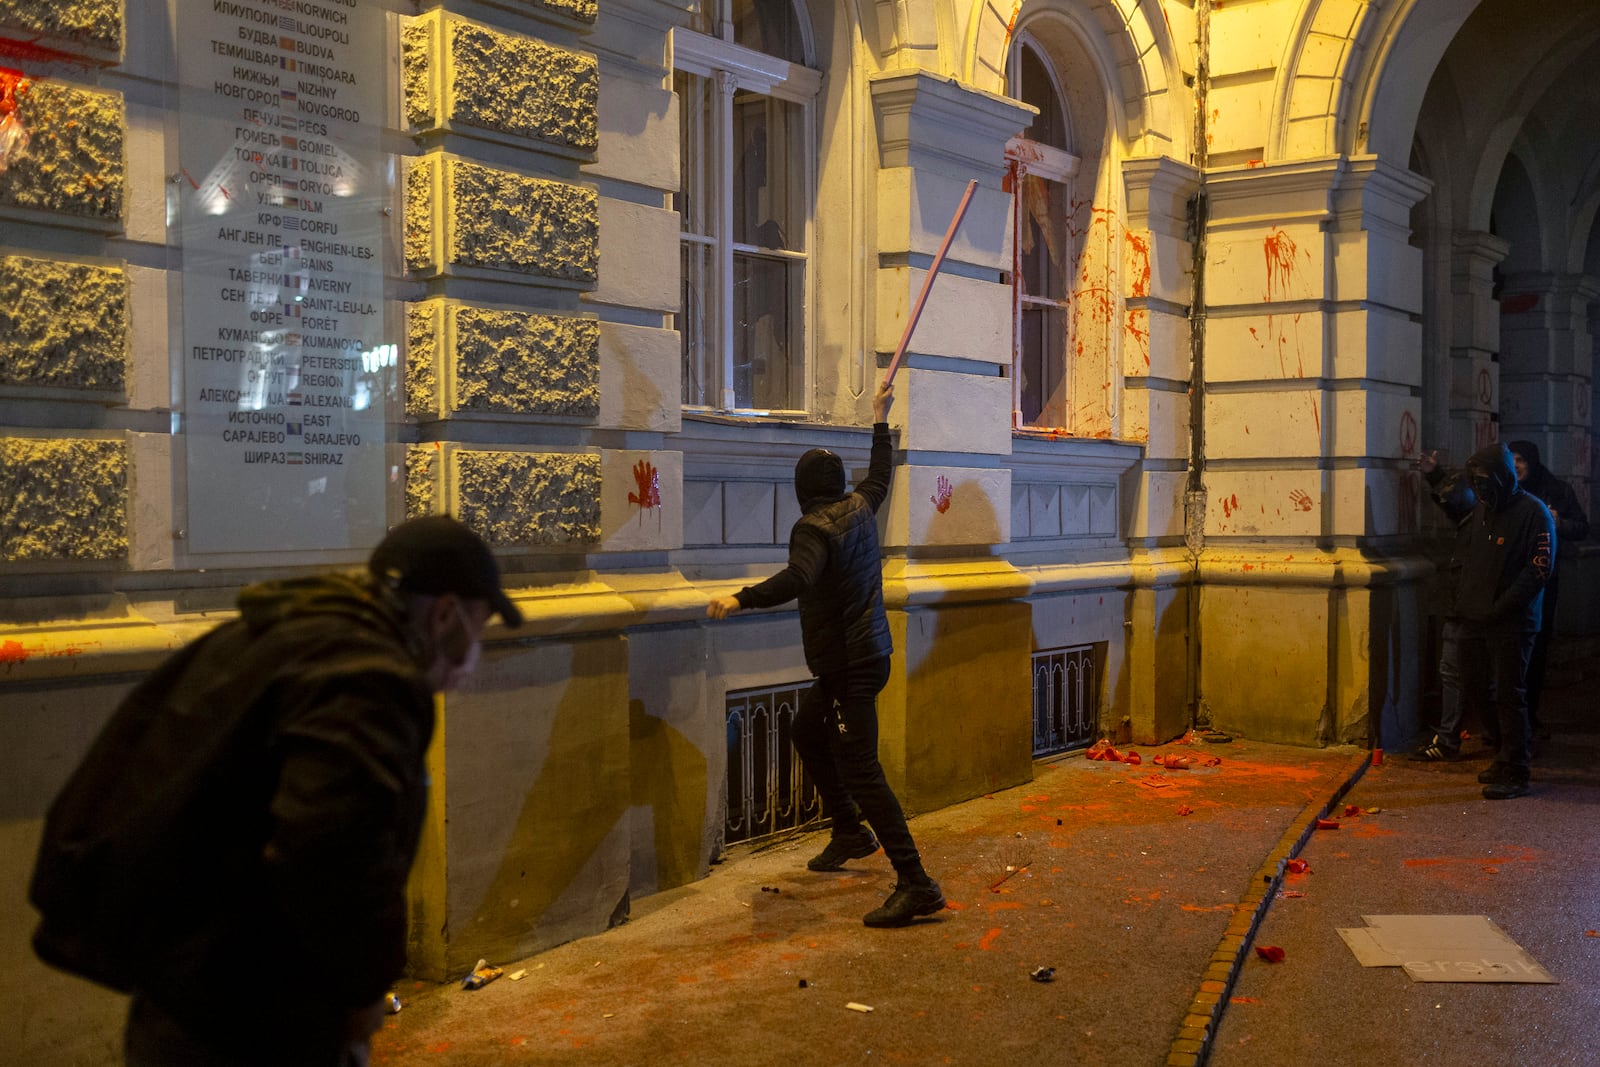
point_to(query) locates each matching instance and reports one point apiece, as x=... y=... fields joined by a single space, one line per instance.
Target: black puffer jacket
x=835 y=564
x=1511 y=546
x=248 y=819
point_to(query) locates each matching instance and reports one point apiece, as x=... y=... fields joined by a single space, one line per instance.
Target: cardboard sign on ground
x=1443 y=948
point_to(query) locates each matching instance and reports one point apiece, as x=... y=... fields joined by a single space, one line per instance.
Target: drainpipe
x=1194 y=496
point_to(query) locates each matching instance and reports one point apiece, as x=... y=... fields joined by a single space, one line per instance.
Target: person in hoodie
x=1572 y=526
x=835 y=572
x=1508 y=555
x=233 y=851
x=1458 y=689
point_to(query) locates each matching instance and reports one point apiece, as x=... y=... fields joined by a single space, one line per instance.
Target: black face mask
x=1485 y=487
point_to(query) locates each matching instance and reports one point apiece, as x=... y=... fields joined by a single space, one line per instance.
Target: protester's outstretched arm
x=875 y=486
x=808 y=554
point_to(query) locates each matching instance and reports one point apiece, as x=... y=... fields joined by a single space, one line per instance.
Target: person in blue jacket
x=835 y=572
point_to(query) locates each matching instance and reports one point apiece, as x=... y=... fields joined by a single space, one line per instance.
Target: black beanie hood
x=1494 y=475
x=818 y=477
x=1528 y=451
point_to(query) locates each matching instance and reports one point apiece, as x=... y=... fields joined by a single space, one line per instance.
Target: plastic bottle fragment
x=862 y=1008
x=1270 y=953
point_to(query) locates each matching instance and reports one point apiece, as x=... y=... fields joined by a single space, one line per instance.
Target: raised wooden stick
x=927 y=283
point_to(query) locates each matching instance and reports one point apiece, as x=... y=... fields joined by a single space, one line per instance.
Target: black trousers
x=836 y=734
x=1495 y=665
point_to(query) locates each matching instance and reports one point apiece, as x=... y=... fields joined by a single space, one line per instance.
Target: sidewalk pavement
x=1139 y=885
x=1435 y=847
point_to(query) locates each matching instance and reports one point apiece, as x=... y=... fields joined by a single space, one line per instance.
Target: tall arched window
x=745 y=199
x=1042 y=169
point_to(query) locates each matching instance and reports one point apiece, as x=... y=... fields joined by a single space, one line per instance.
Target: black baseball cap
x=437 y=554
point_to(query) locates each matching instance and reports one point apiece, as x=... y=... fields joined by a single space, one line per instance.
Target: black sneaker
x=1436 y=749
x=850 y=845
x=1495 y=774
x=908 y=901
x=1506 y=790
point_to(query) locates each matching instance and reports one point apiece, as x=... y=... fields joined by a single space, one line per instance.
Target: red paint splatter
x=986 y=942
x=13 y=652
x=13 y=87
x=942 y=493
x=1230 y=504
x=1408 y=434
x=1141 y=271
x=648 y=479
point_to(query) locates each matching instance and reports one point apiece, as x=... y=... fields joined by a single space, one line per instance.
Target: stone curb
x=1192 y=1044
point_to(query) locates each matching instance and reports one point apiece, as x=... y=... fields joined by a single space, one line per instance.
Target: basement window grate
x=768 y=792
x=1065 y=698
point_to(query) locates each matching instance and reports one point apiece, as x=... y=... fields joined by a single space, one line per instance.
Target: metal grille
x=767 y=790
x=1065 y=698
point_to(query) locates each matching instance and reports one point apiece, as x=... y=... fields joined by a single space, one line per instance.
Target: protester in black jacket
x=1510 y=552
x=1572 y=526
x=237 y=841
x=1458 y=689
x=835 y=571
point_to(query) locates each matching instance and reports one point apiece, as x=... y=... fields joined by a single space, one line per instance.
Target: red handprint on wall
x=1302 y=499
x=941 y=494
x=648 y=480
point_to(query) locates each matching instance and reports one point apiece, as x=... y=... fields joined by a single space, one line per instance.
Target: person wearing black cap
x=237 y=840
x=835 y=572
x=1572 y=526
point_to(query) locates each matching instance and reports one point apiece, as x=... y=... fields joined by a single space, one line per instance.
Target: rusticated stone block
x=529 y=498
x=500 y=221
x=422 y=480
x=63 y=325
x=420 y=230
x=75 y=162
x=514 y=362
x=96 y=23
x=499 y=82
x=461 y=358
x=63 y=499
x=424 y=340
x=419 y=70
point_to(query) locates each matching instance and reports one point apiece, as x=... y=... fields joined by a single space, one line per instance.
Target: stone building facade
x=1227 y=267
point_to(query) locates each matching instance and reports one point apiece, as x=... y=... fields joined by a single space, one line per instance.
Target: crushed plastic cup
x=1043 y=974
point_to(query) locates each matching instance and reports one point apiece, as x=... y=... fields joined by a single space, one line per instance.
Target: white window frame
x=730 y=68
x=1028 y=157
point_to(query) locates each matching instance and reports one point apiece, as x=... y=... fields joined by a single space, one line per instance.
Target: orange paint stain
x=13 y=652
x=986 y=942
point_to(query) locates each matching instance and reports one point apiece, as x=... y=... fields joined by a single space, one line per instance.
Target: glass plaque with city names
x=286 y=365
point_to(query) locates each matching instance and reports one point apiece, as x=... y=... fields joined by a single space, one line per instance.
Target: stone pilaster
x=1547 y=369
x=954 y=393
x=1474 y=344
x=1311 y=364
